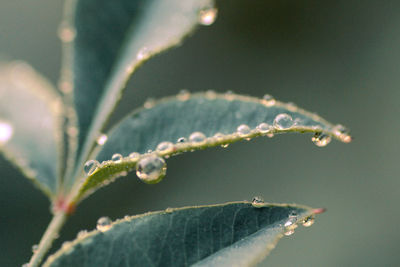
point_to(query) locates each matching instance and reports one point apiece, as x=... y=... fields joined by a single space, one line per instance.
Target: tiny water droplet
x=82 y=234
x=289 y=232
x=219 y=136
x=181 y=140
x=35 y=248
x=103 y=224
x=210 y=94
x=116 y=157
x=134 y=156
x=342 y=132
x=143 y=53
x=264 y=127
x=197 y=137
x=258 y=202
x=165 y=147
x=208 y=15
x=283 y=121
x=183 y=95
x=151 y=169
x=243 y=130
x=149 y=103
x=268 y=100
x=6 y=132
x=102 y=139
x=66 y=33
x=169 y=210
x=229 y=95
x=321 y=139
x=91 y=166
x=307 y=222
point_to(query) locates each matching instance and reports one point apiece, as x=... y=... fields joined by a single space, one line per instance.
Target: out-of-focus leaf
x=231 y=234
x=105 y=41
x=221 y=118
x=30 y=124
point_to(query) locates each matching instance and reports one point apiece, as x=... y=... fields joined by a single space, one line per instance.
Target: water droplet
x=307 y=222
x=264 y=127
x=283 y=121
x=149 y=103
x=289 y=232
x=165 y=147
x=342 y=132
x=66 y=33
x=197 y=137
x=321 y=139
x=102 y=139
x=258 y=202
x=6 y=132
x=143 y=53
x=181 y=140
x=134 y=156
x=219 y=136
x=229 y=95
x=169 y=210
x=35 y=248
x=268 y=100
x=116 y=157
x=210 y=94
x=183 y=95
x=91 y=166
x=208 y=15
x=243 y=130
x=151 y=169
x=82 y=234
x=103 y=224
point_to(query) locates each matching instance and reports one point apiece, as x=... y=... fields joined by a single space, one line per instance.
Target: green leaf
x=30 y=124
x=210 y=113
x=231 y=234
x=105 y=41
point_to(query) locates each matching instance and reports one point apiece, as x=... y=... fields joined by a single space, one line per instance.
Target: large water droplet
x=208 y=15
x=6 y=132
x=307 y=222
x=151 y=169
x=321 y=139
x=165 y=147
x=258 y=202
x=103 y=224
x=268 y=100
x=102 y=139
x=66 y=33
x=197 y=137
x=264 y=127
x=143 y=53
x=283 y=121
x=90 y=166
x=243 y=130
x=116 y=157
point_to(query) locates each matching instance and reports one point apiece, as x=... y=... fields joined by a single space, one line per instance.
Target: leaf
x=105 y=41
x=210 y=113
x=231 y=234
x=30 y=124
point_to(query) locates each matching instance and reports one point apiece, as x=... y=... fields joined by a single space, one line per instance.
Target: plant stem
x=49 y=236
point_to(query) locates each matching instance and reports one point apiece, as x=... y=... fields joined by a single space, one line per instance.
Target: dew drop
x=82 y=234
x=183 y=95
x=197 y=137
x=165 y=147
x=268 y=100
x=210 y=94
x=91 y=166
x=342 y=132
x=35 y=248
x=149 y=103
x=151 y=169
x=66 y=33
x=219 y=136
x=283 y=121
x=116 y=157
x=181 y=140
x=102 y=139
x=264 y=127
x=243 y=130
x=169 y=210
x=208 y=15
x=103 y=224
x=307 y=222
x=289 y=232
x=258 y=202
x=321 y=139
x=6 y=132
x=143 y=53
x=134 y=156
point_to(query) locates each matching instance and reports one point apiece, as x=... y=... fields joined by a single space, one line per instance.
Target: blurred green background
x=338 y=58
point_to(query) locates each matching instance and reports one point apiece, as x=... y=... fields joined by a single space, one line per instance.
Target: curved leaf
x=231 y=234
x=107 y=40
x=209 y=113
x=30 y=124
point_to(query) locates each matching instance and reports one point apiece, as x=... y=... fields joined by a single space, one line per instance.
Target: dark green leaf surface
x=209 y=113
x=30 y=124
x=105 y=41
x=232 y=234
